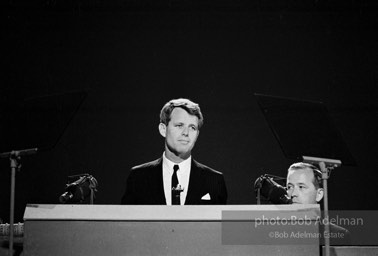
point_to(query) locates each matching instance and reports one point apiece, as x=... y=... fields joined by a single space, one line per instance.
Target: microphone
x=271 y=190
x=79 y=190
x=65 y=197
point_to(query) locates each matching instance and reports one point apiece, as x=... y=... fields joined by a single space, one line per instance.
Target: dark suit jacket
x=144 y=185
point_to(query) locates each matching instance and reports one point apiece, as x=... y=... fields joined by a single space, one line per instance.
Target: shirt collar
x=184 y=165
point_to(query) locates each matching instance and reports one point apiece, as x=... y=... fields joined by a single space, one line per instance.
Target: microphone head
x=278 y=195
x=271 y=190
x=65 y=197
x=80 y=190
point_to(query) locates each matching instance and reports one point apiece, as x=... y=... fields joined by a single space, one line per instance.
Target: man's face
x=300 y=187
x=181 y=133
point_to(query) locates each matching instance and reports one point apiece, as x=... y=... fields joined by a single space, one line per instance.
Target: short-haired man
x=304 y=186
x=176 y=178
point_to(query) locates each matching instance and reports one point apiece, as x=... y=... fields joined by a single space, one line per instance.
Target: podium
x=153 y=230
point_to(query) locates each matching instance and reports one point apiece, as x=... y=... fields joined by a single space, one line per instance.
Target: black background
x=133 y=56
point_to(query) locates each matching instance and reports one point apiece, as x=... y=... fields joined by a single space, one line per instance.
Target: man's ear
x=319 y=194
x=162 y=129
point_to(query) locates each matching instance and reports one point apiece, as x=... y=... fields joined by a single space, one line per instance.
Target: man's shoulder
x=146 y=166
x=206 y=169
x=333 y=228
x=337 y=229
x=338 y=235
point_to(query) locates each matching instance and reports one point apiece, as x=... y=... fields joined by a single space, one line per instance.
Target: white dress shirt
x=183 y=175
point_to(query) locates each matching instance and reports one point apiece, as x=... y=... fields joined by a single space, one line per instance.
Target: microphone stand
x=15 y=158
x=257 y=186
x=325 y=165
x=92 y=187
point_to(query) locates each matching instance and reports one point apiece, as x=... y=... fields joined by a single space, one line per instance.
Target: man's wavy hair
x=188 y=105
x=317 y=180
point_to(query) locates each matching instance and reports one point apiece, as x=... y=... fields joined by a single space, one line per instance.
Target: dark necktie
x=175 y=191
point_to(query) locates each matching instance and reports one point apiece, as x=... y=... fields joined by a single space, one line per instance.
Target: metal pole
x=13 y=164
x=326 y=233
x=14 y=158
x=325 y=165
x=258 y=196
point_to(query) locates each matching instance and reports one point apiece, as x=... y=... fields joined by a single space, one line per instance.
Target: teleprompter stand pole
x=14 y=157
x=325 y=165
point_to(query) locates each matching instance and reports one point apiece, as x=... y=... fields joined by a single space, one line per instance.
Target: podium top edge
x=163 y=212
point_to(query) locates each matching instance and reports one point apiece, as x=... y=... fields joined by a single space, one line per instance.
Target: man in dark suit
x=304 y=186
x=176 y=178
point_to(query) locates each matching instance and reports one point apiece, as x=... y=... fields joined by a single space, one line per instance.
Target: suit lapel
x=195 y=184
x=160 y=196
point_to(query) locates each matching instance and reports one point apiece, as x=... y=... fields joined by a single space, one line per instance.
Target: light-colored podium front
x=156 y=230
